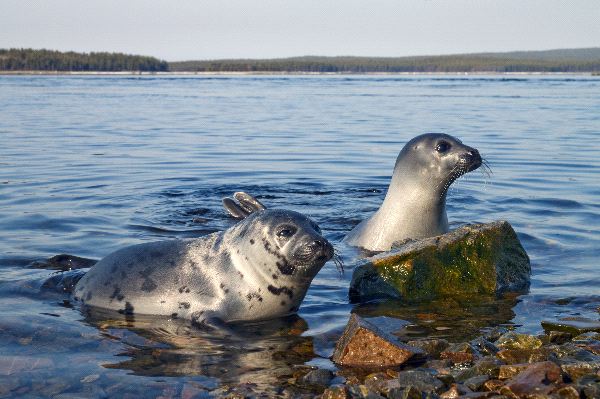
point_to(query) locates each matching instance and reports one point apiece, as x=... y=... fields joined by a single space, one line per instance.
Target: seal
x=258 y=269
x=415 y=204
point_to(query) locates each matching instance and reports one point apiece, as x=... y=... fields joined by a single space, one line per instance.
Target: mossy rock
x=474 y=259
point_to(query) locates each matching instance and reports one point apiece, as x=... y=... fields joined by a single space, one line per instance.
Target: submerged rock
x=573 y=325
x=474 y=259
x=364 y=345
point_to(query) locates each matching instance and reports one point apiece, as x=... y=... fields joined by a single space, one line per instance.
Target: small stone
x=513 y=340
x=320 y=377
x=577 y=370
x=492 y=385
x=484 y=346
x=516 y=356
x=376 y=381
x=568 y=392
x=362 y=392
x=452 y=393
x=460 y=353
x=571 y=351
x=492 y=334
x=475 y=383
x=404 y=393
x=559 y=337
x=363 y=344
x=591 y=390
x=573 y=325
x=336 y=392
x=537 y=378
x=433 y=347
x=510 y=370
x=423 y=380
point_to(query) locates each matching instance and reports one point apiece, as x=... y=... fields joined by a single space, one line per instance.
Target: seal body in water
x=259 y=268
x=415 y=203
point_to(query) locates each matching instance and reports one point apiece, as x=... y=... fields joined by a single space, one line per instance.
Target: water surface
x=90 y=164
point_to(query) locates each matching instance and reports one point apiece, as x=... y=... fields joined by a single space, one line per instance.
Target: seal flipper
x=234 y=209
x=246 y=205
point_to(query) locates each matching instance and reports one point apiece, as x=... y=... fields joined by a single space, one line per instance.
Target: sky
x=177 y=30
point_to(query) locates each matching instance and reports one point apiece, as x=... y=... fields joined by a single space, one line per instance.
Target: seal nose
x=472 y=158
x=322 y=246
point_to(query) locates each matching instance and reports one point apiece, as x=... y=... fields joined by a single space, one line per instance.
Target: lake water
x=90 y=164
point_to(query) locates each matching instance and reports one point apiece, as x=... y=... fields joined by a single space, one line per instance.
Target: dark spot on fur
x=283 y=303
x=184 y=305
x=163 y=301
x=88 y=296
x=128 y=309
x=117 y=294
x=174 y=315
x=251 y=241
x=285 y=268
x=256 y=295
x=241 y=274
x=149 y=285
x=294 y=309
x=184 y=289
x=238 y=251
x=274 y=276
x=277 y=291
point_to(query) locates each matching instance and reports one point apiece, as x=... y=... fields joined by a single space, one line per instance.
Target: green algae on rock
x=473 y=259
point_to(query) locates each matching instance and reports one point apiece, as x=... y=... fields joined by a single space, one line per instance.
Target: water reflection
x=264 y=353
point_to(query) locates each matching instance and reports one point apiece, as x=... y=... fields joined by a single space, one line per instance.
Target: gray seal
x=415 y=203
x=258 y=269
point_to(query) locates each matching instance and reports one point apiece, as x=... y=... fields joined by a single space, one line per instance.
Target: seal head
x=415 y=204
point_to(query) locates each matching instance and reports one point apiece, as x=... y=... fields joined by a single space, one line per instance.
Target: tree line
x=569 y=60
x=453 y=63
x=49 y=60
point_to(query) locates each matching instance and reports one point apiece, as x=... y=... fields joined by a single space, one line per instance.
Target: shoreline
x=266 y=73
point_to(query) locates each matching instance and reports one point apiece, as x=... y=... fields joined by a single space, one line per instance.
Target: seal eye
x=442 y=146
x=286 y=232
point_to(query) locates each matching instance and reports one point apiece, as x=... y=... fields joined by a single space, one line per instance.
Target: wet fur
x=243 y=273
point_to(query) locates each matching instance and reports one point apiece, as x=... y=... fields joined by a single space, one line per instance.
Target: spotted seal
x=415 y=203
x=258 y=269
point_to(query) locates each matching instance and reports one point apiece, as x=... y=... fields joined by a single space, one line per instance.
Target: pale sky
x=195 y=29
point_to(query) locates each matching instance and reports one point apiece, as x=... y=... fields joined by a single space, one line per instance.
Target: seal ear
x=246 y=205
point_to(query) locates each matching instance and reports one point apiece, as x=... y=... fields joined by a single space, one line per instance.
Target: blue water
x=89 y=164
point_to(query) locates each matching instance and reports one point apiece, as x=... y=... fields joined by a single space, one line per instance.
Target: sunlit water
x=91 y=164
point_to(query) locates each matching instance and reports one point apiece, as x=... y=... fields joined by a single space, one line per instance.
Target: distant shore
x=267 y=73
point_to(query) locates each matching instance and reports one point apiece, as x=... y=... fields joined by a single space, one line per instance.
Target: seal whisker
x=338 y=261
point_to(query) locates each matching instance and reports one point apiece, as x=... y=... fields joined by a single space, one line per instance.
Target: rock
x=484 y=346
x=510 y=370
x=320 y=377
x=537 y=378
x=489 y=366
x=460 y=353
x=568 y=392
x=364 y=345
x=433 y=347
x=516 y=356
x=577 y=370
x=475 y=259
x=559 y=337
x=337 y=392
x=475 y=383
x=513 y=340
x=423 y=380
x=404 y=393
x=492 y=385
x=573 y=325
x=362 y=392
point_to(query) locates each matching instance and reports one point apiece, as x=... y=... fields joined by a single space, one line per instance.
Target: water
x=91 y=164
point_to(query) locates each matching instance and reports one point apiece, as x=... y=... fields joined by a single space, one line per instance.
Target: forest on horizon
x=565 y=60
